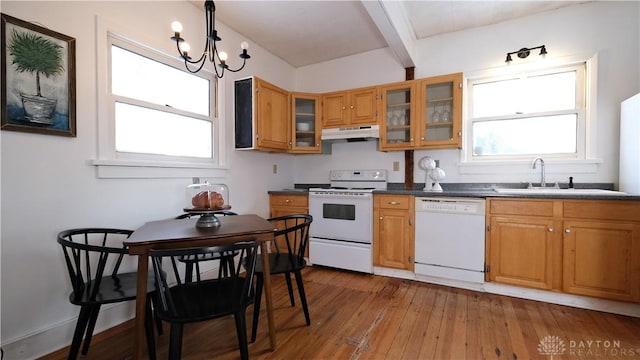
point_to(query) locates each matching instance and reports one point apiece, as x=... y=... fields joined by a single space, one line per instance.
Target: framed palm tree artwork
x=38 y=79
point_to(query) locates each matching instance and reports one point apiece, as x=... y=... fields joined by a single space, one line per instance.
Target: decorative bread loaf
x=208 y=200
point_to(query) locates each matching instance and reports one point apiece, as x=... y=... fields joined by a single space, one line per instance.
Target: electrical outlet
x=195 y=180
x=396 y=166
x=275 y=168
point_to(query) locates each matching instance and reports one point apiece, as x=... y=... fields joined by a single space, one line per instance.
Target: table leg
x=267 y=293
x=139 y=340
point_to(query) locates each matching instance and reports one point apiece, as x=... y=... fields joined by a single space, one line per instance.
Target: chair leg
x=78 y=333
x=175 y=342
x=256 y=307
x=287 y=277
x=148 y=329
x=241 y=329
x=151 y=297
x=93 y=318
x=303 y=297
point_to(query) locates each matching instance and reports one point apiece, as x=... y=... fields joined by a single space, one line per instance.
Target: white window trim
x=591 y=161
x=112 y=165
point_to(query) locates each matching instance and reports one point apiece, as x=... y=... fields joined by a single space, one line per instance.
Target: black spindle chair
x=93 y=257
x=186 y=300
x=286 y=257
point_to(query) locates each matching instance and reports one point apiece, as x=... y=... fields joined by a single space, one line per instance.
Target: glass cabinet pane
x=438 y=120
x=305 y=122
x=398 y=115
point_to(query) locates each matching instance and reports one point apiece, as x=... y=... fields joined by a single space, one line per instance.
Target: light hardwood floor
x=358 y=316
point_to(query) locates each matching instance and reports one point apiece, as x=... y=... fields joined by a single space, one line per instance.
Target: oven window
x=339 y=211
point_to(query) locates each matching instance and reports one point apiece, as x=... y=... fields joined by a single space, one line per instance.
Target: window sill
x=524 y=167
x=135 y=169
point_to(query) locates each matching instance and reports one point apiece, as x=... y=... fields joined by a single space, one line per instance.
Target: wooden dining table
x=182 y=233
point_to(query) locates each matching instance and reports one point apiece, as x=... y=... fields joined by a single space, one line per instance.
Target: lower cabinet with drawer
x=393 y=234
x=286 y=204
x=582 y=247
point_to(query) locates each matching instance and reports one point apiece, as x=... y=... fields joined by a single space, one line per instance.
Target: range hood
x=352 y=133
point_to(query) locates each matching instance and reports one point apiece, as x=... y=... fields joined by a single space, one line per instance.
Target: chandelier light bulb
x=176 y=26
x=185 y=47
x=244 y=45
x=223 y=56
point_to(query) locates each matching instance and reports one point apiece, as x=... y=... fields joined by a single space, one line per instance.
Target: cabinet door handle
x=567 y=230
x=344 y=108
x=287 y=200
x=393 y=203
x=410 y=222
x=550 y=229
x=380 y=218
x=352 y=106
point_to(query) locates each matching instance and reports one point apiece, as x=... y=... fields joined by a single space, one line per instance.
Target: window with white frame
x=154 y=113
x=529 y=114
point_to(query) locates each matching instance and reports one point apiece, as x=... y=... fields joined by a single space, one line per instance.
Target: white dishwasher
x=449 y=238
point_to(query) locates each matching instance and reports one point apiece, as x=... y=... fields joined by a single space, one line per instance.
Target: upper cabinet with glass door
x=397 y=130
x=440 y=123
x=305 y=127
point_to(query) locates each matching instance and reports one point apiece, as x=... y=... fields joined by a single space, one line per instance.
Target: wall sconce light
x=524 y=52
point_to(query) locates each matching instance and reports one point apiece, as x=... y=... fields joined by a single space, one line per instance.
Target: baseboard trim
x=110 y=333
x=577 y=301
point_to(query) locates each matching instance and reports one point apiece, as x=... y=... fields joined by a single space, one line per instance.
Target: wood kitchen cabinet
x=422 y=114
x=393 y=231
x=397 y=120
x=262 y=118
x=582 y=247
x=439 y=124
x=350 y=108
x=305 y=123
x=286 y=204
x=523 y=244
x=601 y=255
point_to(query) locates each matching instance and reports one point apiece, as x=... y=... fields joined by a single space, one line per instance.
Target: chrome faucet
x=533 y=166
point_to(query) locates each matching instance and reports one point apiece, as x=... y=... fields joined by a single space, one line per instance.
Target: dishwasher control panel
x=450 y=205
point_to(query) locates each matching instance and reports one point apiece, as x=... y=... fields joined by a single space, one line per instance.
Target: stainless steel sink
x=556 y=191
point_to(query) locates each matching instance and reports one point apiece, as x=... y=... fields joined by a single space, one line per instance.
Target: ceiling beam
x=390 y=18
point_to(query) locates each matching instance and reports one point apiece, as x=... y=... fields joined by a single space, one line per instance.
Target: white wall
x=48 y=184
x=609 y=29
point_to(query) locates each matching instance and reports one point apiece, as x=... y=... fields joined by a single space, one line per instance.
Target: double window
x=159 y=109
x=529 y=114
x=153 y=114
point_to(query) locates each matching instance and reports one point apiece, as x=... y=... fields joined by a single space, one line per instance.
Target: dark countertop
x=473 y=190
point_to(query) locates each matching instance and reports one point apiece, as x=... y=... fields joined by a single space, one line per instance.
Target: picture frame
x=38 y=79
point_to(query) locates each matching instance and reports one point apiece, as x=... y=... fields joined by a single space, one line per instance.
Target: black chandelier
x=210 y=49
x=524 y=52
